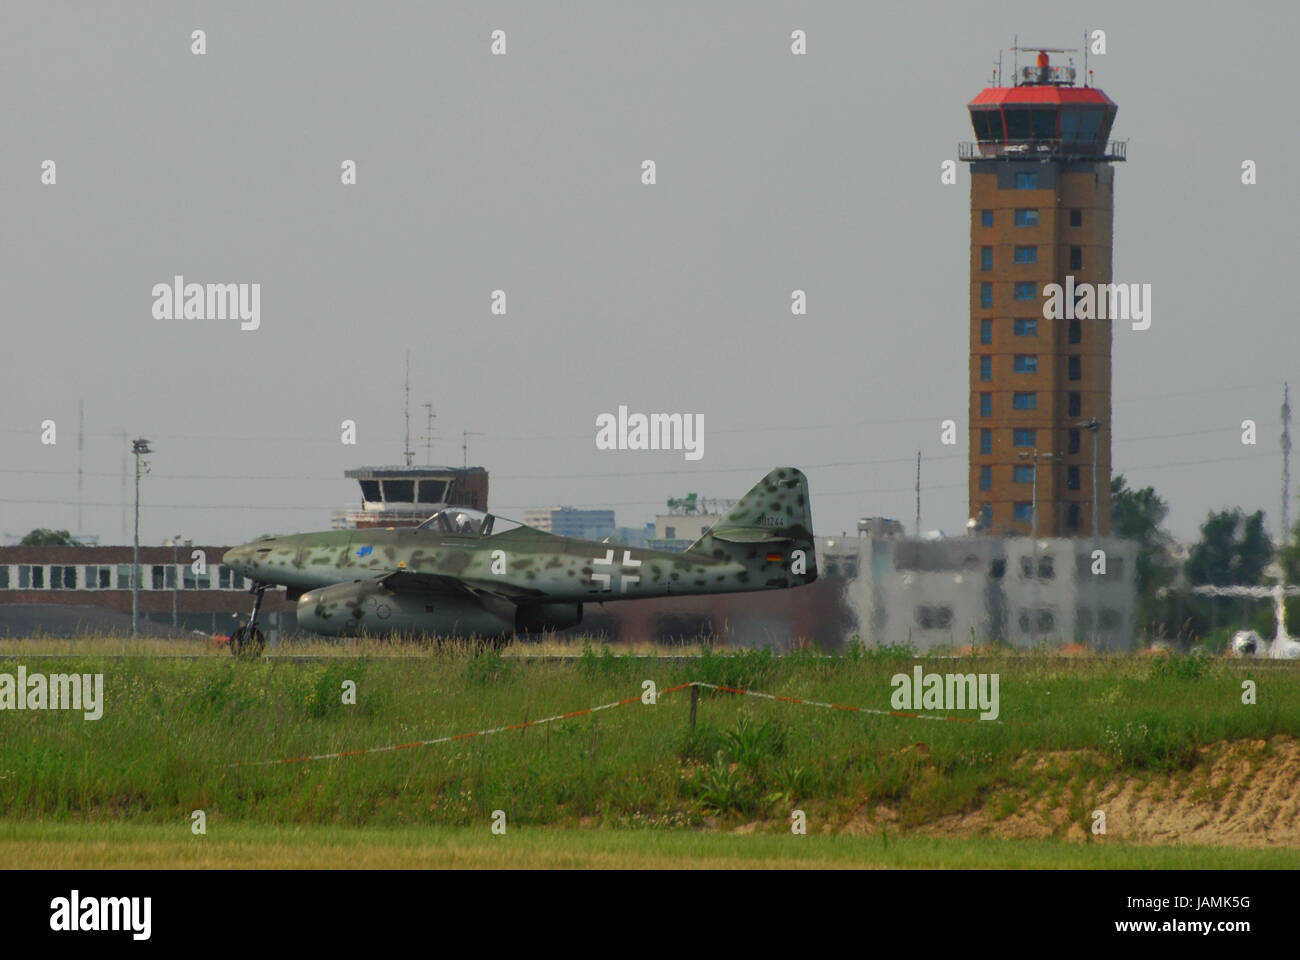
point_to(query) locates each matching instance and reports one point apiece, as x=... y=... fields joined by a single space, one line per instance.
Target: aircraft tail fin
x=769 y=531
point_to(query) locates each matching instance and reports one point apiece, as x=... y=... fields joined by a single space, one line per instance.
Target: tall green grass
x=172 y=732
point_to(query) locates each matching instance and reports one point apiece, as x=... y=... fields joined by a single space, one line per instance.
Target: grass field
x=1165 y=747
x=79 y=846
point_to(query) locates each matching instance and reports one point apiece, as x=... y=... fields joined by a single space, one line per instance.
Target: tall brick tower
x=1042 y=205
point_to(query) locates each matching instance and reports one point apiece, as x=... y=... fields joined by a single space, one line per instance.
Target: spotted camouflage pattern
x=426 y=581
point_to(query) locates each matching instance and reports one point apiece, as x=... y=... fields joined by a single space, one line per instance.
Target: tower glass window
x=1026 y=181
x=986 y=404
x=1025 y=363
x=1026 y=290
x=1072 y=516
x=1024 y=401
x=986 y=258
x=986 y=368
x=1076 y=331
x=1023 y=437
x=1076 y=368
x=986 y=440
x=986 y=218
x=1027 y=254
x=1026 y=327
x=986 y=294
x=1027 y=218
x=1024 y=510
x=1076 y=217
x=986 y=478
x=1072 y=478
x=1075 y=405
x=1076 y=258
x=1022 y=474
x=986 y=331
x=1074 y=441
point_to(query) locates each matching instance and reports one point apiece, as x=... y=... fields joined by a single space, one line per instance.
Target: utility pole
x=81 y=437
x=138 y=448
x=124 y=455
x=918 y=494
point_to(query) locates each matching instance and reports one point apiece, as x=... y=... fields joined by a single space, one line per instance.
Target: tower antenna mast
x=1286 y=463
x=430 y=416
x=406 y=405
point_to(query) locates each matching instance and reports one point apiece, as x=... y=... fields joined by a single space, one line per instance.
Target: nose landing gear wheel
x=246 y=644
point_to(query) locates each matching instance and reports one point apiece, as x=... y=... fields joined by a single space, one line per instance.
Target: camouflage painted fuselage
x=412 y=580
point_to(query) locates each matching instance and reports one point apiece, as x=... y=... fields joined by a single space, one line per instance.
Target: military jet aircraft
x=466 y=573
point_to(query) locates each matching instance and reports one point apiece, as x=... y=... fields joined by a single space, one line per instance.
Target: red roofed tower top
x=1043 y=115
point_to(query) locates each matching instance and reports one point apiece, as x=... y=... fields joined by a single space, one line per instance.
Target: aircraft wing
x=438 y=584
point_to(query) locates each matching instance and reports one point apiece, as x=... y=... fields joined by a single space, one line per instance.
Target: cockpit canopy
x=467 y=522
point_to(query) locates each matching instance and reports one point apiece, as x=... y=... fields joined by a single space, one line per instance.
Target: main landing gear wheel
x=246 y=644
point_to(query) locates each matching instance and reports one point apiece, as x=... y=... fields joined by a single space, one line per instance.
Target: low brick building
x=98 y=580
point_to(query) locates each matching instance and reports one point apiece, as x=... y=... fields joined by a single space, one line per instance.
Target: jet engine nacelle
x=536 y=617
x=366 y=607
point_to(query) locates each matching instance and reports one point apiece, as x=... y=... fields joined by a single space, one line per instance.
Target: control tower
x=407 y=496
x=1042 y=209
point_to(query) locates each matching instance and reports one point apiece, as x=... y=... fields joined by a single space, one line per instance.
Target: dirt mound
x=1240 y=794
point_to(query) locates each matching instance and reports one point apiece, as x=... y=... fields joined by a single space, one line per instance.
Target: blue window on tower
x=1026 y=327
x=1023 y=511
x=986 y=294
x=1025 y=363
x=986 y=478
x=986 y=404
x=1022 y=474
x=1024 y=437
x=1076 y=258
x=1026 y=290
x=1026 y=218
x=986 y=368
x=986 y=258
x=986 y=515
x=986 y=331
x=1026 y=254
x=986 y=218
x=986 y=440
x=1024 y=401
x=1026 y=181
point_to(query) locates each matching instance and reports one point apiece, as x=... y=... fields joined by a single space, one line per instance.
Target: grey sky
x=522 y=173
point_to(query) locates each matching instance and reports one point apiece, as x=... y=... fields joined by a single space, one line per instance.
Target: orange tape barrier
x=607 y=706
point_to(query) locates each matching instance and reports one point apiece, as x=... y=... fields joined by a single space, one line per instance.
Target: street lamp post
x=1033 y=506
x=175 y=578
x=1033 y=522
x=138 y=448
x=1094 y=427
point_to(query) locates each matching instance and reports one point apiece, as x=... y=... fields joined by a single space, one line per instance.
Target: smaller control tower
x=406 y=496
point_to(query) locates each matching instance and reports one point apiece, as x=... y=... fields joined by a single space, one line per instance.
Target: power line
x=859 y=492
